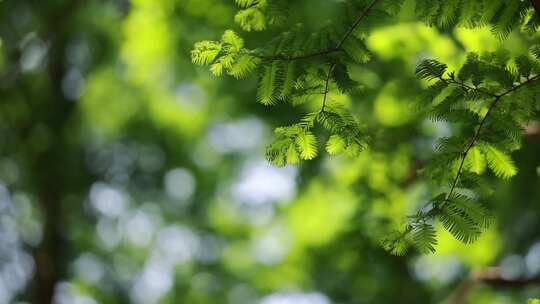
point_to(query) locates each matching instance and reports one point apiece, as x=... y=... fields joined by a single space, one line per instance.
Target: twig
x=465 y=86
x=337 y=48
x=326 y=86
x=356 y=23
x=479 y=130
x=284 y=57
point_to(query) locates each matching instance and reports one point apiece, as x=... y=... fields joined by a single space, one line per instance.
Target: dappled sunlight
x=532 y=259
x=245 y=135
x=482 y=252
x=296 y=298
x=317 y=217
x=180 y=184
x=391 y=109
x=261 y=183
x=16 y=265
x=437 y=269
x=410 y=39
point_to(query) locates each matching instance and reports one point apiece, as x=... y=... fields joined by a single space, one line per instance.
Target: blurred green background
x=128 y=175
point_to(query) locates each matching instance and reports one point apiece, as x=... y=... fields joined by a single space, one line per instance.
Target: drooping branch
x=465 y=87
x=284 y=57
x=356 y=23
x=327 y=83
x=476 y=135
x=337 y=48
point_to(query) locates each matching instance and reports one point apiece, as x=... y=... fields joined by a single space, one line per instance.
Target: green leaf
x=245 y=3
x=524 y=66
x=424 y=238
x=430 y=69
x=228 y=60
x=356 y=49
x=354 y=149
x=501 y=164
x=251 y=19
x=475 y=160
x=459 y=225
x=535 y=50
x=288 y=80
x=292 y=154
x=396 y=243
x=335 y=144
x=205 y=52
x=307 y=145
x=217 y=69
x=471 y=70
x=243 y=66
x=232 y=40
x=342 y=78
x=267 y=86
x=473 y=210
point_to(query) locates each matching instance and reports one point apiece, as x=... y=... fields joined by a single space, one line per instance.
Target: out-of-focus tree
x=129 y=175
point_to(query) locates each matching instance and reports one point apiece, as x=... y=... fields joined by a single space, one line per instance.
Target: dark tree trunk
x=48 y=169
x=536 y=5
x=52 y=167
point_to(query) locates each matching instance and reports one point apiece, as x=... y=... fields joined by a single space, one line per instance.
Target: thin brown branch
x=356 y=23
x=326 y=86
x=530 y=129
x=520 y=85
x=284 y=57
x=337 y=48
x=465 y=86
x=470 y=145
x=479 y=130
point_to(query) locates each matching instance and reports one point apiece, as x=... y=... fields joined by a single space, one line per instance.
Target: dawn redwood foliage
x=491 y=97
